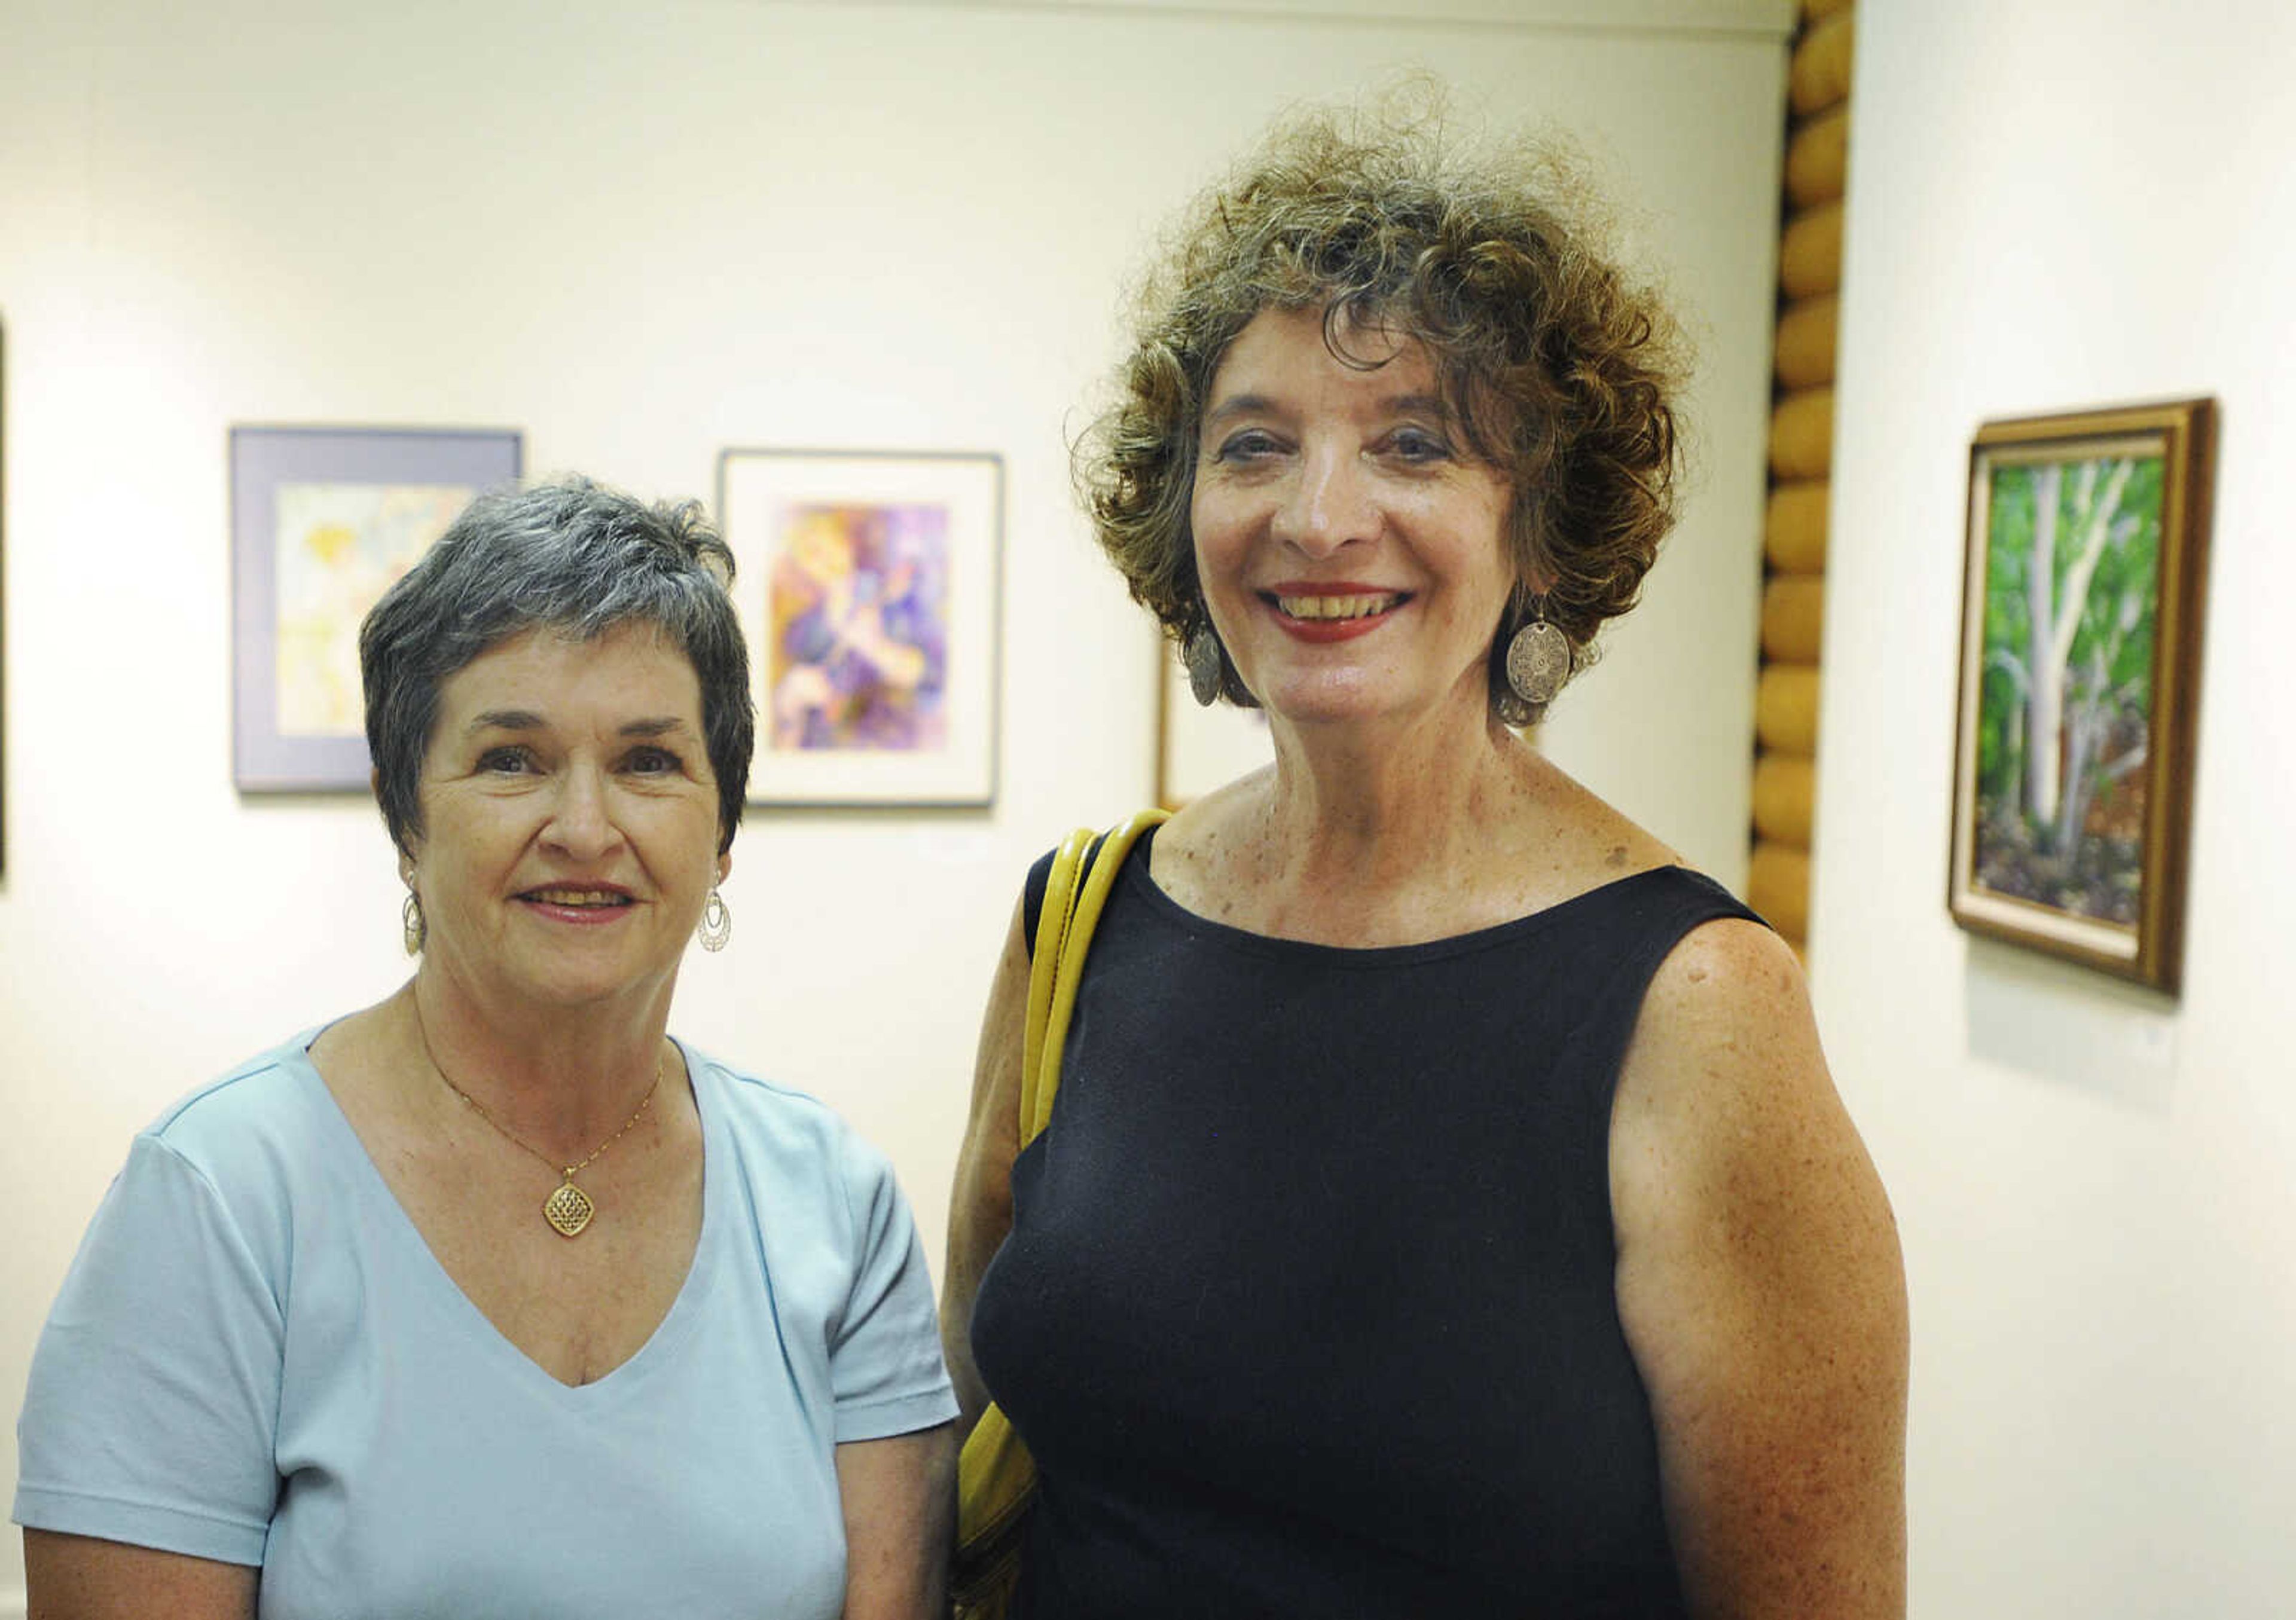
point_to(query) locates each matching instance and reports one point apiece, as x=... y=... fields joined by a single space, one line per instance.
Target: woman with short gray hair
x=493 y=1298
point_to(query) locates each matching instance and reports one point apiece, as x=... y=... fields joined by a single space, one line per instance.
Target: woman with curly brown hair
x=1446 y=1210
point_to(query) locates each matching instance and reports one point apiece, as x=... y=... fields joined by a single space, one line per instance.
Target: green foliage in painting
x=2071 y=599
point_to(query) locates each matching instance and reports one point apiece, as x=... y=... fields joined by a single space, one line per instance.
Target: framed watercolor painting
x=1200 y=748
x=323 y=521
x=868 y=585
x=2080 y=657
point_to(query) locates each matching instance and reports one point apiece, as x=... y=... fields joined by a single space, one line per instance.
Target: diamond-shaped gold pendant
x=568 y=1209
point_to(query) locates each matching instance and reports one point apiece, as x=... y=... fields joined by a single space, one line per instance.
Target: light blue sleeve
x=155 y=1387
x=885 y=1364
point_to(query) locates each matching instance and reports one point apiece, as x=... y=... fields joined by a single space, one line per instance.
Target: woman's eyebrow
x=1240 y=405
x=527 y=720
x=658 y=727
x=1253 y=404
x=506 y=720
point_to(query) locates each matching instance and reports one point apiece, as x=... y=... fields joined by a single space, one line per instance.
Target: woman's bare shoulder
x=1216 y=818
x=1565 y=840
x=1199 y=858
x=1762 y=1288
x=1726 y=1054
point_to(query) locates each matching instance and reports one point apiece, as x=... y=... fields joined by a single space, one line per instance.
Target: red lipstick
x=1349 y=608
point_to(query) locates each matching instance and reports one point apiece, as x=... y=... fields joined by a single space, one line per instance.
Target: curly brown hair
x=1557 y=366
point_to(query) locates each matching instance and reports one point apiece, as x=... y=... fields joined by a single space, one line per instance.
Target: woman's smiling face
x=569 y=819
x=1349 y=545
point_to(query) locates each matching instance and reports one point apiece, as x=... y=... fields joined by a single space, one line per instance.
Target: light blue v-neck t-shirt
x=255 y=1358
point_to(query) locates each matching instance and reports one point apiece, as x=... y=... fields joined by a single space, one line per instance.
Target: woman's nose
x=580 y=820
x=1328 y=503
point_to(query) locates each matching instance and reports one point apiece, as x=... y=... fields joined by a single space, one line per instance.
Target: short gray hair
x=570 y=556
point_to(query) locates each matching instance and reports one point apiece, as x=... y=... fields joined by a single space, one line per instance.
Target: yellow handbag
x=996 y=1477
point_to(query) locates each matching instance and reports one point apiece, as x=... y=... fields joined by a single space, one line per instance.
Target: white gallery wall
x=2059 y=204
x=641 y=233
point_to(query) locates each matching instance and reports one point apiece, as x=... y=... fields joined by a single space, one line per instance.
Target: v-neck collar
x=387 y=1216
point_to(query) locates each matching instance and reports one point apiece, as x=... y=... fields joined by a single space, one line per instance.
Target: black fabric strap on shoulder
x=1032 y=896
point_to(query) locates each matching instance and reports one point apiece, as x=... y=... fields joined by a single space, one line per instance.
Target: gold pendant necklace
x=567 y=1208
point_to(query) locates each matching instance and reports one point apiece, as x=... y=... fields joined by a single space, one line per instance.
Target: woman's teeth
x=576 y=897
x=1337 y=607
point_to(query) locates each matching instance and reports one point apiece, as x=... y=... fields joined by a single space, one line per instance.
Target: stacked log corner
x=1801 y=460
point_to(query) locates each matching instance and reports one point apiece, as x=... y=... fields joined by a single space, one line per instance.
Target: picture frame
x=3 y=602
x=2082 y=608
x=869 y=583
x=323 y=521
x=1201 y=747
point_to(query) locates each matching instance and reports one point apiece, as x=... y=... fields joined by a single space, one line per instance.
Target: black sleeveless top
x=1308 y=1305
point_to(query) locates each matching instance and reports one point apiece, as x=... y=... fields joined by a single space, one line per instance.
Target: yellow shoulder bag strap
x=994 y=1475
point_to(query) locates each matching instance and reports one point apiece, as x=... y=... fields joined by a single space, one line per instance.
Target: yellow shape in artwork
x=330 y=543
x=338 y=547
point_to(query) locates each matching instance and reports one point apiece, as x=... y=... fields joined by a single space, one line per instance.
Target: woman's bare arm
x=1763 y=1292
x=77 y=1577
x=899 y=1498
x=981 y=1204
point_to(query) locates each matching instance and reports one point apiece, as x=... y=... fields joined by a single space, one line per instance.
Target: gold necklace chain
x=567 y=1208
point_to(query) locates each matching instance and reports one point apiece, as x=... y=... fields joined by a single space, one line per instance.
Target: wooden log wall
x=1801 y=459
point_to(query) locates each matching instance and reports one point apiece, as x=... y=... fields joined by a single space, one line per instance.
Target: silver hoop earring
x=1537 y=658
x=717 y=926
x=1207 y=672
x=412 y=930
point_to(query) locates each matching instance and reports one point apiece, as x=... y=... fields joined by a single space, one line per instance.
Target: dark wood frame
x=2183 y=433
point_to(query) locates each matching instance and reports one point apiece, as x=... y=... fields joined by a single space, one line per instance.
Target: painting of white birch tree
x=2071 y=605
x=2082 y=608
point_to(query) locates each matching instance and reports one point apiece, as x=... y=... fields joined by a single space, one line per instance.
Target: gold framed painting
x=2082 y=608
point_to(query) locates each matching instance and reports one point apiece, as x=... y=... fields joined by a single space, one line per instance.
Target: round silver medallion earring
x=1537 y=658
x=1205 y=662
